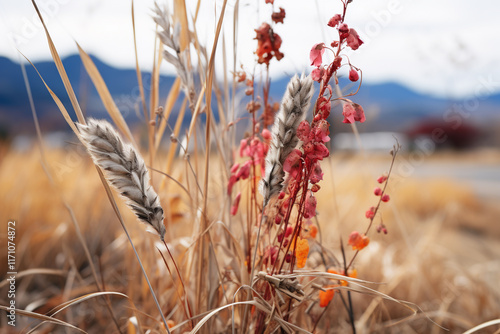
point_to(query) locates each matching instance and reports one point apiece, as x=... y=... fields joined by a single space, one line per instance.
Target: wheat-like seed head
x=125 y=169
x=293 y=108
x=170 y=37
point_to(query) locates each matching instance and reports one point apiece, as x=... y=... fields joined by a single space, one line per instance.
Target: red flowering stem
x=330 y=72
x=252 y=196
x=286 y=219
x=394 y=153
x=343 y=13
x=351 y=94
x=324 y=84
x=298 y=225
x=300 y=216
x=265 y=91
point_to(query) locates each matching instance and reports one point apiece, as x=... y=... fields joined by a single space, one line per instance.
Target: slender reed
x=125 y=170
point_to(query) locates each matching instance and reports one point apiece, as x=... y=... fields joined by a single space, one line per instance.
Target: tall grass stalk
x=242 y=255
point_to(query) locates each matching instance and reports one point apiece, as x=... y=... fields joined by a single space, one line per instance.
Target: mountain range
x=388 y=106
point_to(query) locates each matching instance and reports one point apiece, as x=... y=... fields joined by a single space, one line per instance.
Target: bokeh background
x=431 y=80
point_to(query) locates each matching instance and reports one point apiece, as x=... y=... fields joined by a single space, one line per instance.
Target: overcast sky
x=448 y=48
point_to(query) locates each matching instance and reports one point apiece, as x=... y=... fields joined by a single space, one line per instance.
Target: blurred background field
x=442 y=250
x=426 y=83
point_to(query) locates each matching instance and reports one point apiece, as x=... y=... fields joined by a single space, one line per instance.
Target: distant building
x=370 y=141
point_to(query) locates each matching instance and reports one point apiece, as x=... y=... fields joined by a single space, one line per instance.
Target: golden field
x=441 y=252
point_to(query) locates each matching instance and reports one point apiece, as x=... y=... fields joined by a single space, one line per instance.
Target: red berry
x=370 y=213
x=382 y=179
x=353 y=75
x=377 y=191
x=280 y=237
x=385 y=198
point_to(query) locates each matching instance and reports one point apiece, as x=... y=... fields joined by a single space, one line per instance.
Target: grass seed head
x=125 y=169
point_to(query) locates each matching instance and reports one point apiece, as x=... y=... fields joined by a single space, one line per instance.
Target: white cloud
x=440 y=47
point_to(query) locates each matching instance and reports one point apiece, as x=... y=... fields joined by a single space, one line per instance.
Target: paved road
x=484 y=179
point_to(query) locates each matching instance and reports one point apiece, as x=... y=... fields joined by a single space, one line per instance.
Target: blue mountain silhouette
x=389 y=106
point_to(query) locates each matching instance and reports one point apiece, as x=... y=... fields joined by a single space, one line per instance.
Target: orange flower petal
x=301 y=252
x=325 y=297
x=358 y=241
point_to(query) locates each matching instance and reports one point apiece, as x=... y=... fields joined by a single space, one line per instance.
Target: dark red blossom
x=241 y=76
x=315 y=188
x=244 y=172
x=353 y=40
x=236 y=203
x=321 y=131
x=230 y=184
x=234 y=168
x=343 y=30
x=293 y=163
x=324 y=107
x=270 y=255
x=353 y=112
x=382 y=178
x=381 y=228
x=353 y=75
x=337 y=62
x=303 y=131
x=266 y=134
x=310 y=205
x=316 y=174
x=268 y=44
x=334 y=20
x=278 y=17
x=370 y=213
x=316 y=151
x=317 y=74
x=243 y=147
x=253 y=106
x=316 y=54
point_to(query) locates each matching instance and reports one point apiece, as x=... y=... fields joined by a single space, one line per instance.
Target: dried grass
x=202 y=268
x=431 y=261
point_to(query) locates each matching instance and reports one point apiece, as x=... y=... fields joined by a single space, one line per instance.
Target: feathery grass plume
x=293 y=108
x=124 y=168
x=171 y=40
